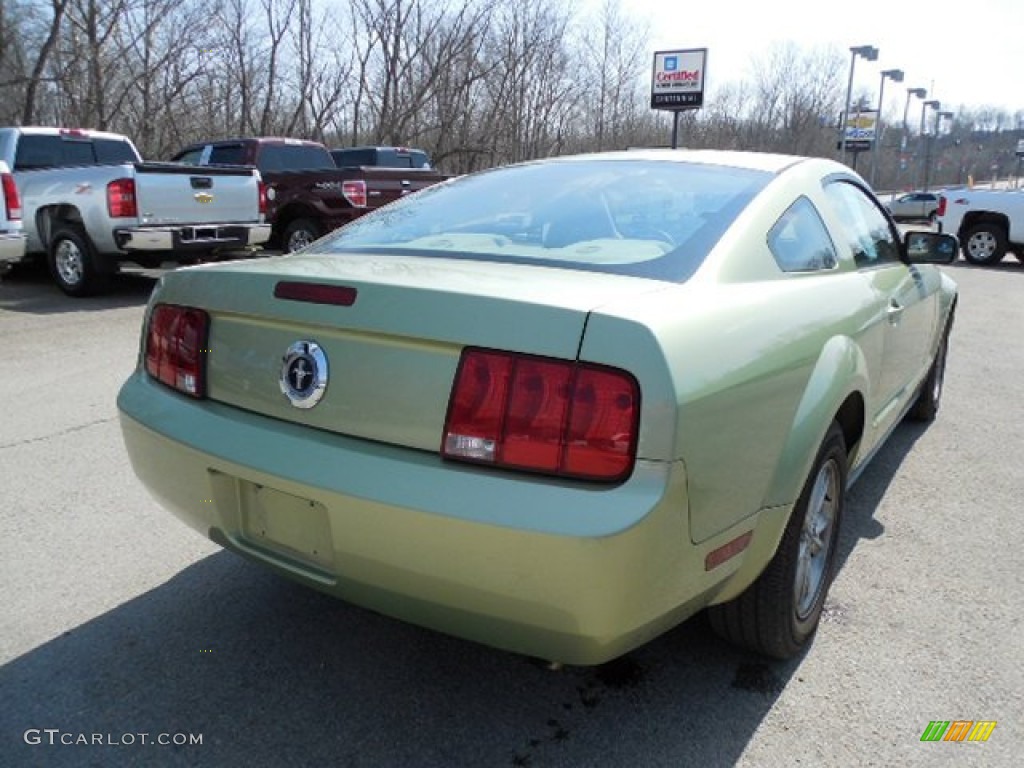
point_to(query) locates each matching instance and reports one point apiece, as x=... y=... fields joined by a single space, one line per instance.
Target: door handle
x=894 y=311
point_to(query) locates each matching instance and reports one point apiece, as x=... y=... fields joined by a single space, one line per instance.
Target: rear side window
x=799 y=241
x=191 y=157
x=228 y=154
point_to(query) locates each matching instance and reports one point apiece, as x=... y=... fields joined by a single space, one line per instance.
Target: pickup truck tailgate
x=185 y=194
x=384 y=185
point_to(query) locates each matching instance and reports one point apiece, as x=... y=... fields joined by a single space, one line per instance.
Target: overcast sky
x=965 y=52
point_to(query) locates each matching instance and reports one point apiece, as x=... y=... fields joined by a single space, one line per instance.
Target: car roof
x=755 y=161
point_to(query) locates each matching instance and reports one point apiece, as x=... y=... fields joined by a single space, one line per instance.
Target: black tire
x=932 y=217
x=926 y=407
x=769 y=617
x=72 y=261
x=985 y=243
x=298 y=234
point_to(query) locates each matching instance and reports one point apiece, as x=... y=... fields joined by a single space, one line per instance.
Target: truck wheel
x=778 y=614
x=985 y=243
x=72 y=261
x=299 y=234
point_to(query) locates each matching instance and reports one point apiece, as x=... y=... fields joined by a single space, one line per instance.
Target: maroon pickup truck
x=307 y=194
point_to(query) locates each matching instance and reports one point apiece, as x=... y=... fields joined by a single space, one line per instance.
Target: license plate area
x=289 y=525
x=201 y=234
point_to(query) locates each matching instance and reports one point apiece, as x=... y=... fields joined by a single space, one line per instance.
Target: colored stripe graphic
x=982 y=730
x=958 y=730
x=935 y=730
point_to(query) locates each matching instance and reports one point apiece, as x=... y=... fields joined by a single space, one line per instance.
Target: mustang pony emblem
x=303 y=377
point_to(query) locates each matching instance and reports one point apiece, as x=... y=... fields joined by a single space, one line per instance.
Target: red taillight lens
x=121 y=199
x=941 y=210
x=355 y=192
x=601 y=439
x=12 y=203
x=262 y=201
x=176 y=348
x=553 y=416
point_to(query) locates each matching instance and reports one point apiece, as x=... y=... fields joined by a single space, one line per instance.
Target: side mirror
x=930 y=248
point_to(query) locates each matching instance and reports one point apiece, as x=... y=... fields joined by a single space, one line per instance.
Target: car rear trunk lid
x=392 y=353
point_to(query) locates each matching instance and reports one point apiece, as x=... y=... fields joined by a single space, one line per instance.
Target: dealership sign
x=678 y=79
x=860 y=130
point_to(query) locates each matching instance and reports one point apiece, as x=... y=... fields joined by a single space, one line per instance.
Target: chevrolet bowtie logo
x=203 y=197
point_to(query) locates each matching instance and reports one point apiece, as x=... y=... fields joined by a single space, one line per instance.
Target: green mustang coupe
x=556 y=407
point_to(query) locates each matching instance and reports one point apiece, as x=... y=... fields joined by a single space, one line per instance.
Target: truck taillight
x=12 y=203
x=355 y=192
x=176 y=348
x=121 y=199
x=262 y=198
x=941 y=210
x=532 y=413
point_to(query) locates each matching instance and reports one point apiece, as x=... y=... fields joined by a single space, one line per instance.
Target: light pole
x=869 y=53
x=896 y=75
x=939 y=117
x=920 y=93
x=936 y=105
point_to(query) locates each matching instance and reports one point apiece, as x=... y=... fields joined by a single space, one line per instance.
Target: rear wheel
x=72 y=261
x=298 y=234
x=778 y=614
x=985 y=243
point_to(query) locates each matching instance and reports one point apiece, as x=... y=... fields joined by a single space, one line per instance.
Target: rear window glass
x=647 y=218
x=112 y=152
x=35 y=152
x=293 y=157
x=383 y=157
x=347 y=158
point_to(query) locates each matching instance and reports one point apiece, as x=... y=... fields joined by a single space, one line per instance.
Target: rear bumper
x=200 y=237
x=12 y=247
x=546 y=568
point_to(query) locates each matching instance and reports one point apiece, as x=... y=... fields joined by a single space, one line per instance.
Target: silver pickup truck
x=12 y=238
x=89 y=204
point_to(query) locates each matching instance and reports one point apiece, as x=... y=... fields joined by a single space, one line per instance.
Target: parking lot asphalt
x=118 y=621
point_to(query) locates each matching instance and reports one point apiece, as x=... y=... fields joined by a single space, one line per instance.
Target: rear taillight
x=12 y=203
x=355 y=192
x=176 y=348
x=553 y=416
x=121 y=199
x=941 y=210
x=262 y=201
